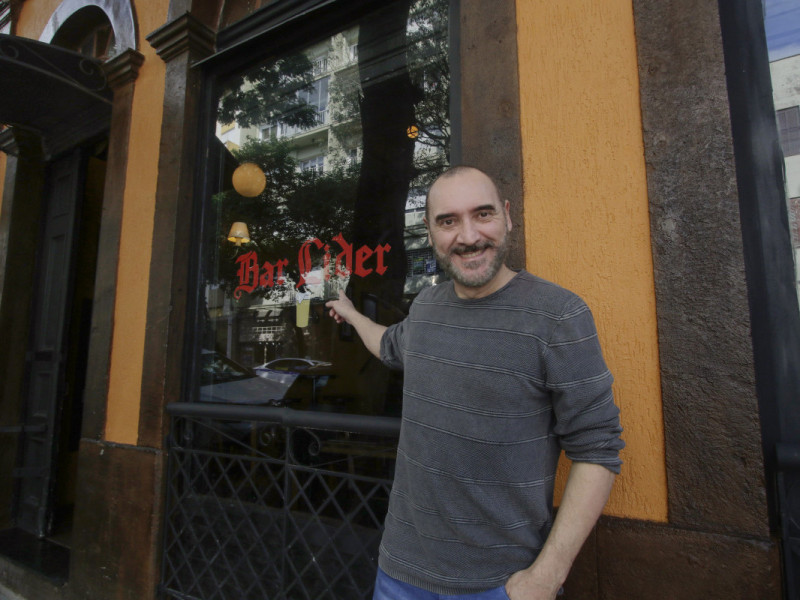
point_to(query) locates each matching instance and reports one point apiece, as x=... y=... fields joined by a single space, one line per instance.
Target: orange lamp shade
x=249 y=180
x=239 y=233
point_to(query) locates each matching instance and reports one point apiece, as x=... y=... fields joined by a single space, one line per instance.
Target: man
x=503 y=370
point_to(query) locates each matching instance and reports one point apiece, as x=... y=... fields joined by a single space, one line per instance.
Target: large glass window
x=318 y=169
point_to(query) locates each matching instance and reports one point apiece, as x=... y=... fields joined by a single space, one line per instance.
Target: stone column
x=121 y=72
x=180 y=43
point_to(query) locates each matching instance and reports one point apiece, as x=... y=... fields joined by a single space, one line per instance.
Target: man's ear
x=428 y=230
x=507 y=207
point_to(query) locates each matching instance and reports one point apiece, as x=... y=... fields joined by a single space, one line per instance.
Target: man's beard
x=473 y=276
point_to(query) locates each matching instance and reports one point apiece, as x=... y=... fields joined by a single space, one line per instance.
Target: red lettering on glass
x=248 y=274
x=279 y=265
x=268 y=274
x=362 y=254
x=380 y=269
x=304 y=258
x=347 y=253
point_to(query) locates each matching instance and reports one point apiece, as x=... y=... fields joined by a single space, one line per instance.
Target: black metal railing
x=271 y=503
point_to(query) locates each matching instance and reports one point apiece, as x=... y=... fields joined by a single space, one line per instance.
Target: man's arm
x=343 y=311
x=585 y=495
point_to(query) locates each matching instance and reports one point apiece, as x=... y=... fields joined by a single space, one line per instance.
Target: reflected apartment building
x=786 y=83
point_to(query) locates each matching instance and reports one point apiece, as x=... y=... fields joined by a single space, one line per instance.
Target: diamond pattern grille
x=266 y=512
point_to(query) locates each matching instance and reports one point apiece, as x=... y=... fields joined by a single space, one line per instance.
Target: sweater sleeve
x=587 y=420
x=393 y=346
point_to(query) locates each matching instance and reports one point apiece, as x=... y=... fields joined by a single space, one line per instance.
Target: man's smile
x=473 y=251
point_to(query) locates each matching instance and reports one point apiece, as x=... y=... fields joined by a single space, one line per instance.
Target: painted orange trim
x=33 y=16
x=587 y=224
x=127 y=354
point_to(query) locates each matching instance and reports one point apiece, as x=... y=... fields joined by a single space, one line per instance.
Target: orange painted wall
x=34 y=16
x=127 y=354
x=586 y=210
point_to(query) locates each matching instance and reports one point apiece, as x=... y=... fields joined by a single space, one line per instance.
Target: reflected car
x=226 y=381
x=286 y=370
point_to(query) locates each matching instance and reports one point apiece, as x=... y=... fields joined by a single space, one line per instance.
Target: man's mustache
x=464 y=249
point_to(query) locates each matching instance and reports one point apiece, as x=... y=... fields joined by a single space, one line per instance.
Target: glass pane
x=782 y=24
x=321 y=161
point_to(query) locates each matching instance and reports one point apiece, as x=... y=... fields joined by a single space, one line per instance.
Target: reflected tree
x=294 y=207
x=268 y=92
x=429 y=68
x=401 y=81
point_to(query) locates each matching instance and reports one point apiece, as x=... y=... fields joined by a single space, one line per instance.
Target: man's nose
x=468 y=234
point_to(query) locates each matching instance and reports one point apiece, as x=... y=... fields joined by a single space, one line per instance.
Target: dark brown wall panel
x=116 y=523
x=714 y=462
x=641 y=560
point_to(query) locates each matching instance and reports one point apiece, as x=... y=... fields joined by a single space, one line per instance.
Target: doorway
x=78 y=328
x=49 y=431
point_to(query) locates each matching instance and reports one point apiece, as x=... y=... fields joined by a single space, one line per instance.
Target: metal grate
x=280 y=505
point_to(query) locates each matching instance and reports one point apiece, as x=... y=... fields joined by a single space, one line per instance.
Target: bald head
x=459 y=171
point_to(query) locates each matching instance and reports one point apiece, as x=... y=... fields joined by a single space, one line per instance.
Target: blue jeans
x=388 y=588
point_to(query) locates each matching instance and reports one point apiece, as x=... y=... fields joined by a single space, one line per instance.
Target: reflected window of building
x=313 y=165
x=314 y=161
x=782 y=26
x=789 y=130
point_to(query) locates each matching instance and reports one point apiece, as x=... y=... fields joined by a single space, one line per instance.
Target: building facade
x=185 y=183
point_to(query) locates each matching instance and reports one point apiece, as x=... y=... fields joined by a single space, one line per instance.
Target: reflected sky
x=782 y=23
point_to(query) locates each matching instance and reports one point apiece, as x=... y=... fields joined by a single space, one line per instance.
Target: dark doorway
x=56 y=140
x=56 y=357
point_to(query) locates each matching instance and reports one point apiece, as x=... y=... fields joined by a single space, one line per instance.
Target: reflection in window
x=313 y=165
x=422 y=262
x=783 y=42
x=349 y=131
x=789 y=130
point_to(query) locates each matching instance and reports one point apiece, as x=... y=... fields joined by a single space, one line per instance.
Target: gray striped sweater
x=494 y=389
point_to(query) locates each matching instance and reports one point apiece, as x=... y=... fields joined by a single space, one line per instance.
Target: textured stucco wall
x=714 y=459
x=586 y=209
